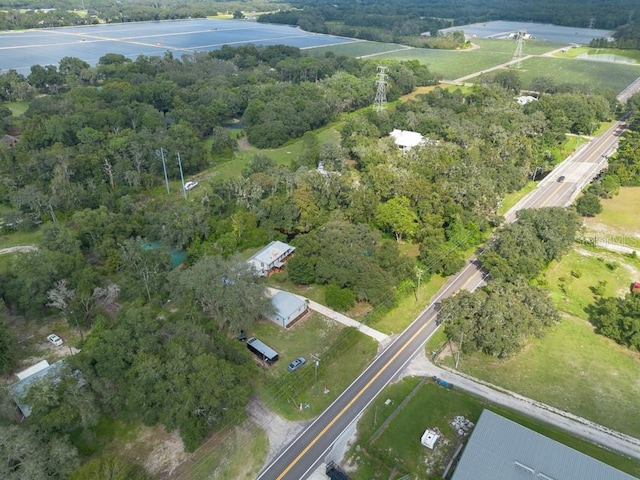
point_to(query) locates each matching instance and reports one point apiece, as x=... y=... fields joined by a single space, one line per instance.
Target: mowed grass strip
x=433 y=406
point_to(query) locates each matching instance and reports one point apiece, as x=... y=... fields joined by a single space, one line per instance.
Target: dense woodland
x=87 y=172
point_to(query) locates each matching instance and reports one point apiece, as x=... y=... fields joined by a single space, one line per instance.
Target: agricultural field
x=383 y=448
x=612 y=77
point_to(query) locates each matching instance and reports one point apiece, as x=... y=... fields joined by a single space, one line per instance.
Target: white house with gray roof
x=500 y=449
x=271 y=258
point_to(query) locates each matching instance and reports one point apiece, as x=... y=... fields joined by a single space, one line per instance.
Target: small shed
x=288 y=308
x=429 y=438
x=271 y=258
x=524 y=99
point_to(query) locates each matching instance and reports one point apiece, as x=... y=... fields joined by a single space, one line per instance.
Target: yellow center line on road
x=358 y=395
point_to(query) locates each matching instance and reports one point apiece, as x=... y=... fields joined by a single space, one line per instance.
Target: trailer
x=260 y=349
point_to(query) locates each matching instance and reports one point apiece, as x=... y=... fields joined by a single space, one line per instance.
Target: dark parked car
x=296 y=364
x=561 y=178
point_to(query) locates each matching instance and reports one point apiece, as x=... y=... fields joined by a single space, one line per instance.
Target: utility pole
x=316 y=361
x=184 y=190
x=164 y=167
x=459 y=349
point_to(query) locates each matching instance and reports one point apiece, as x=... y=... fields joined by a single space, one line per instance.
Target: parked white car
x=55 y=339
x=190 y=185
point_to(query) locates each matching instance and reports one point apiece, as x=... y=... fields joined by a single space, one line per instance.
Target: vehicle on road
x=55 y=339
x=190 y=185
x=296 y=364
x=561 y=178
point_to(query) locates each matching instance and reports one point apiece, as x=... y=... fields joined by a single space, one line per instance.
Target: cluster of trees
x=523 y=248
x=618 y=318
x=626 y=37
x=404 y=20
x=499 y=318
x=165 y=369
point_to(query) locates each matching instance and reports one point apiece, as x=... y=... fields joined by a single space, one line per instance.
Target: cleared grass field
x=397 y=447
x=620 y=216
x=571 y=367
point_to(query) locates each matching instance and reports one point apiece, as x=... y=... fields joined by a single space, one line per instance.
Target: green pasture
x=13 y=239
x=396 y=448
x=612 y=77
x=620 y=217
x=344 y=353
x=358 y=48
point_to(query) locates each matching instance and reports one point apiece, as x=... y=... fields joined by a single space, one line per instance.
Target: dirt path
x=19 y=248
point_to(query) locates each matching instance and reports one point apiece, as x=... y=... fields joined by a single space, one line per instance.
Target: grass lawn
x=398 y=445
x=17 y=108
x=620 y=216
x=282 y=155
x=343 y=352
x=14 y=239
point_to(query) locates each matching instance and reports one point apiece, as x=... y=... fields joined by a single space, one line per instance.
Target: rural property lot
x=20 y=50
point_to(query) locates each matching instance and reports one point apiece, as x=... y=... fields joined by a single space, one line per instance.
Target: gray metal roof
x=286 y=304
x=500 y=449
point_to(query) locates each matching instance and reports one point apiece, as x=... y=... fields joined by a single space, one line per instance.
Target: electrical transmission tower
x=517 y=55
x=381 y=91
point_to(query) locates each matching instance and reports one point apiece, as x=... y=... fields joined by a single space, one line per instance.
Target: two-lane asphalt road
x=306 y=451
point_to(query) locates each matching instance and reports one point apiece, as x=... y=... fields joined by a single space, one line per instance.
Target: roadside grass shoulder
x=14 y=239
x=398 y=446
x=512 y=198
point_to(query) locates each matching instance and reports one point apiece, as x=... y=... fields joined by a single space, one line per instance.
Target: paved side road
x=579 y=426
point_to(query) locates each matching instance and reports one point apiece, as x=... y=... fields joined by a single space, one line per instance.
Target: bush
x=340 y=299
